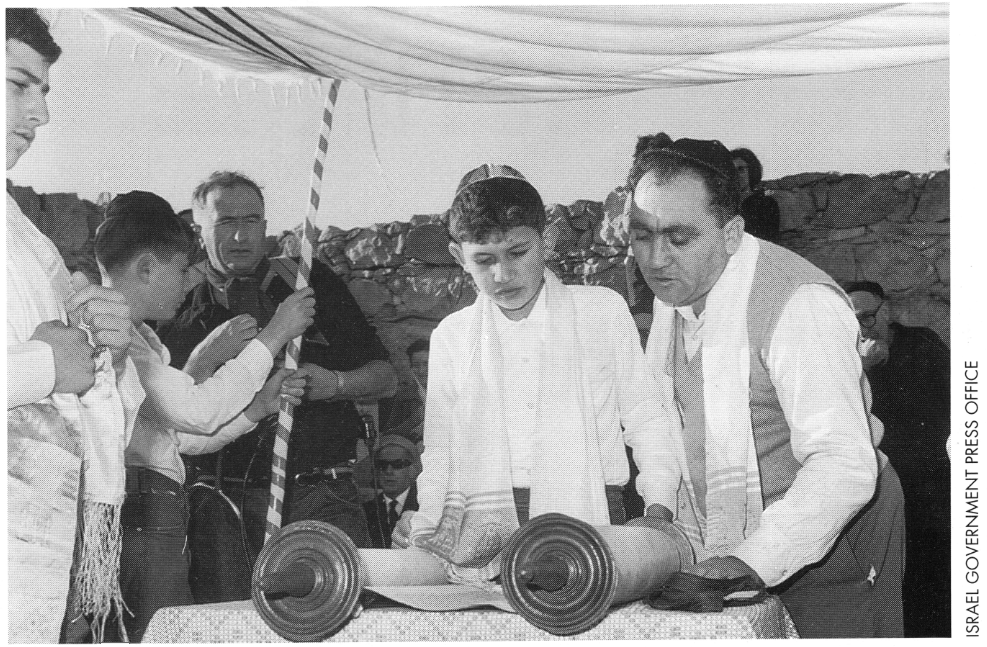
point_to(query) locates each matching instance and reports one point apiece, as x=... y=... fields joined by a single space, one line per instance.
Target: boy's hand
x=401 y=537
x=294 y=316
x=105 y=312
x=224 y=343
x=283 y=384
x=75 y=365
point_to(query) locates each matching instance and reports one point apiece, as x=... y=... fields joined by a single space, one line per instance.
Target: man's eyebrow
x=688 y=230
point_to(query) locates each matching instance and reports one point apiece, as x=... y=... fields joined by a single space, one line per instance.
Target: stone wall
x=891 y=228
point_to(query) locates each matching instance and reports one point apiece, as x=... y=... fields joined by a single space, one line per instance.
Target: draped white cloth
x=544 y=53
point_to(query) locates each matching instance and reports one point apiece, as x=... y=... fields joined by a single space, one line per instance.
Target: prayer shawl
x=733 y=497
x=92 y=428
x=479 y=515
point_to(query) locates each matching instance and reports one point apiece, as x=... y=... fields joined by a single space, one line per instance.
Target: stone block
x=896 y=266
x=801 y=180
x=837 y=260
x=798 y=209
x=370 y=295
x=942 y=267
x=373 y=247
x=921 y=309
x=933 y=204
x=860 y=200
x=557 y=216
x=429 y=243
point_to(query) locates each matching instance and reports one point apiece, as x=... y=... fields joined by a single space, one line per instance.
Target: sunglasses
x=398 y=464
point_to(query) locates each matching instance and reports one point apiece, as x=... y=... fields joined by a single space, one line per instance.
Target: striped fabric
x=286 y=418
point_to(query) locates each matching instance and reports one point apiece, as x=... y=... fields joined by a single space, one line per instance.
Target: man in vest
x=756 y=349
x=342 y=357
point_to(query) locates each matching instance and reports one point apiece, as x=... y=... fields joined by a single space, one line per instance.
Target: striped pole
x=286 y=416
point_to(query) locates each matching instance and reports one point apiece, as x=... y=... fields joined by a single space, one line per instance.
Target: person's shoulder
x=920 y=336
x=456 y=321
x=595 y=296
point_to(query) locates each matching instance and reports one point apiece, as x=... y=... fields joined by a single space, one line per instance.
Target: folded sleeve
x=178 y=402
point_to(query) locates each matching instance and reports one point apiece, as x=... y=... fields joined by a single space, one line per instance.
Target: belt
x=318 y=475
x=142 y=480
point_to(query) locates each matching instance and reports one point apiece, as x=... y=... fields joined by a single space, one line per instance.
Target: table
x=238 y=622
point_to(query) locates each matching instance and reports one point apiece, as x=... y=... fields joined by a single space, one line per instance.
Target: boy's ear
x=550 y=237
x=457 y=253
x=143 y=266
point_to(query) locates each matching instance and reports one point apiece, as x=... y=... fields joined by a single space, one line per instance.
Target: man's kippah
x=139 y=204
x=488 y=172
x=708 y=153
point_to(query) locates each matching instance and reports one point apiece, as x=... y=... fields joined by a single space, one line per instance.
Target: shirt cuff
x=765 y=556
x=30 y=372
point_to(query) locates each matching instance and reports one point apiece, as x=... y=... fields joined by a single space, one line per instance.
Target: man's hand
x=723 y=568
x=221 y=345
x=283 y=384
x=322 y=384
x=105 y=312
x=872 y=352
x=75 y=365
x=294 y=316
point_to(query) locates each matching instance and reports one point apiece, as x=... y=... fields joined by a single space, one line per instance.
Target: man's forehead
x=497 y=238
x=240 y=198
x=682 y=200
x=391 y=452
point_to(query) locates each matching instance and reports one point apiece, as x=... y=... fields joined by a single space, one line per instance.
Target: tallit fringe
x=97 y=585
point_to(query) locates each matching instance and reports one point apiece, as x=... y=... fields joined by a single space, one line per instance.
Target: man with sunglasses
x=908 y=369
x=396 y=465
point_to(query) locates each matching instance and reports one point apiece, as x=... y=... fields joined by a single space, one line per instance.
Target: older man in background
x=908 y=369
x=342 y=357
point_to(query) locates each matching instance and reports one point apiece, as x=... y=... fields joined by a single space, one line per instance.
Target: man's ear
x=733 y=232
x=550 y=238
x=457 y=253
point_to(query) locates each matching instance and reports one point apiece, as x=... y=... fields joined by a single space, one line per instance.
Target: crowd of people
x=761 y=414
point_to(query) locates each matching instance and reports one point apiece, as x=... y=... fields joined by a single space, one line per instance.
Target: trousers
x=154 y=562
x=855 y=591
x=227 y=529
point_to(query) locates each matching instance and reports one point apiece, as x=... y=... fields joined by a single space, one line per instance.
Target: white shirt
x=815 y=370
x=401 y=498
x=175 y=403
x=622 y=385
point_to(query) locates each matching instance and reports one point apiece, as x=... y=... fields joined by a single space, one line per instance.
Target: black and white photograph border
x=849 y=156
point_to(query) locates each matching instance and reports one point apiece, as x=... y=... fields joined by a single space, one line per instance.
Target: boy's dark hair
x=224 y=180
x=417 y=346
x=139 y=222
x=495 y=205
x=31 y=29
x=754 y=169
x=707 y=159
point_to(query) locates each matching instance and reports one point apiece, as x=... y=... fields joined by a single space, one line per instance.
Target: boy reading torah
x=533 y=391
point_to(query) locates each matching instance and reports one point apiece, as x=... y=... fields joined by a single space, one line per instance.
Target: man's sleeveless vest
x=777 y=275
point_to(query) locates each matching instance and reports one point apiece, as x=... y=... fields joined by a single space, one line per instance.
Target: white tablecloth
x=238 y=622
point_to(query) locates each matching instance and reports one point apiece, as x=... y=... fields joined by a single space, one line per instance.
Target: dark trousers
x=224 y=549
x=855 y=591
x=154 y=562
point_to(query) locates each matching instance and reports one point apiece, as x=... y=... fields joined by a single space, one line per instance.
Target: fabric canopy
x=545 y=53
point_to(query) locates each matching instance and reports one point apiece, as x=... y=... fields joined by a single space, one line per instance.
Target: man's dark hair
x=31 y=29
x=494 y=206
x=224 y=180
x=417 y=346
x=754 y=169
x=139 y=222
x=864 y=286
x=724 y=196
